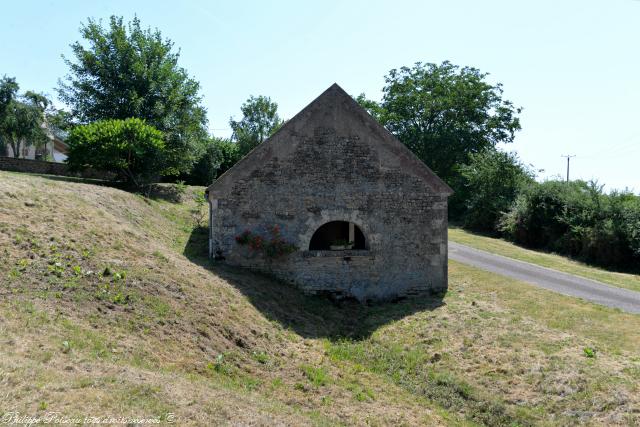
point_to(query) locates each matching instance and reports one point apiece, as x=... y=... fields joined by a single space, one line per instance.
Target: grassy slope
x=556 y=262
x=167 y=332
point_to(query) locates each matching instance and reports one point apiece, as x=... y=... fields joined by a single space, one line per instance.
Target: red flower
x=273 y=246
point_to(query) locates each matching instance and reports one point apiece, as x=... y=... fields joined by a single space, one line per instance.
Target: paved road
x=563 y=283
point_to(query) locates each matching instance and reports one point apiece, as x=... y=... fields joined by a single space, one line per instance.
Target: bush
x=218 y=156
x=579 y=220
x=491 y=181
x=130 y=148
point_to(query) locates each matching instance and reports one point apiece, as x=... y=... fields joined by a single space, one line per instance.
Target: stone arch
x=333 y=232
x=314 y=222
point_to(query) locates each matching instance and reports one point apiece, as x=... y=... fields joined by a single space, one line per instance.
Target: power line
x=568 y=156
x=622 y=145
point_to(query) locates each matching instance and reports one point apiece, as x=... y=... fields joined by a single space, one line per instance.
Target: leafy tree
x=444 y=113
x=8 y=92
x=492 y=181
x=22 y=118
x=124 y=71
x=372 y=107
x=259 y=121
x=131 y=148
x=205 y=170
x=229 y=154
x=37 y=100
x=60 y=119
x=218 y=156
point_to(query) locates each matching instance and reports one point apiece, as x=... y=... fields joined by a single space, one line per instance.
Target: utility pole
x=568 y=156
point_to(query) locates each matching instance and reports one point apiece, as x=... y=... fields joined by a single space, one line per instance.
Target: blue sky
x=574 y=66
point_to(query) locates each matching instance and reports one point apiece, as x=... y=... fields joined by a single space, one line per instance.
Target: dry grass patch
x=507 y=353
x=108 y=306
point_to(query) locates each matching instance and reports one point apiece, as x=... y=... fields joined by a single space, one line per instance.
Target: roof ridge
x=395 y=145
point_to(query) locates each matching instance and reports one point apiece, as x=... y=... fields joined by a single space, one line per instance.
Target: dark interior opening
x=334 y=232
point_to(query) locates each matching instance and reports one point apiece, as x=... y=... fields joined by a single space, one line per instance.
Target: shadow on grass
x=311 y=316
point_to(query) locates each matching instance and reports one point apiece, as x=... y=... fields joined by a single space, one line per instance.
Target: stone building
x=367 y=217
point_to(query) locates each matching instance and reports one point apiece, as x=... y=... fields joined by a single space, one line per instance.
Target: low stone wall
x=49 y=168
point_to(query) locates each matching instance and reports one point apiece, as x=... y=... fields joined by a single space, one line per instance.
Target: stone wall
x=49 y=168
x=333 y=166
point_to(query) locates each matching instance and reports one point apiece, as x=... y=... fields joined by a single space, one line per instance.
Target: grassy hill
x=109 y=307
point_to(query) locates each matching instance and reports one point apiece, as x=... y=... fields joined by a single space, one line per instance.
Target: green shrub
x=130 y=148
x=491 y=181
x=180 y=187
x=198 y=212
x=579 y=220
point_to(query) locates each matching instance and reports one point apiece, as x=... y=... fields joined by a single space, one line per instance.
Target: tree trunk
x=15 y=146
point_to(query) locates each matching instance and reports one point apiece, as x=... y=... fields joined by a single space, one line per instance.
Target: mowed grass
x=110 y=307
x=556 y=262
x=508 y=353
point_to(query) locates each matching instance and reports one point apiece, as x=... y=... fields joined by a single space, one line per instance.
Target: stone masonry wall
x=48 y=168
x=331 y=177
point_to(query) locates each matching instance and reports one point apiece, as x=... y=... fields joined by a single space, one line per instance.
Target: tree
x=259 y=121
x=372 y=107
x=444 y=113
x=53 y=119
x=8 y=91
x=492 y=181
x=59 y=119
x=229 y=154
x=218 y=156
x=22 y=118
x=125 y=71
x=131 y=148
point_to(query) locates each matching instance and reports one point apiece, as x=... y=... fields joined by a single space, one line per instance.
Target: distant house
x=366 y=217
x=54 y=150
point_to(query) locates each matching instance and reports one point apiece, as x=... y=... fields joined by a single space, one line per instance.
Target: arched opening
x=337 y=234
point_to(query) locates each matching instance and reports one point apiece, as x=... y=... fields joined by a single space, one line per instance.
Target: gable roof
x=326 y=103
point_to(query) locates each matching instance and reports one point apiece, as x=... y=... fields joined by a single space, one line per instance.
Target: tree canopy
x=22 y=117
x=492 y=181
x=444 y=113
x=124 y=71
x=259 y=121
x=219 y=156
x=131 y=148
x=8 y=91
